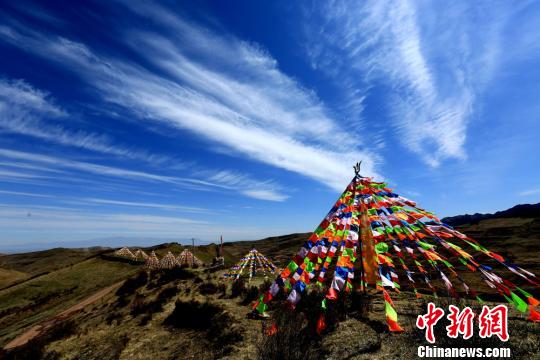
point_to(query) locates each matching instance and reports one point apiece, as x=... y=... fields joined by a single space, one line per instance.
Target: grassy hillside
x=27 y=303
x=517 y=238
x=9 y=277
x=16 y=268
x=279 y=248
x=194 y=314
x=39 y=262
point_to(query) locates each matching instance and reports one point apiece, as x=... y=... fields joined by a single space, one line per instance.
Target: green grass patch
x=26 y=304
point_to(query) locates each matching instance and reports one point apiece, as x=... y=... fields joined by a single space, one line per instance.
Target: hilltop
x=79 y=305
x=28 y=265
x=525 y=211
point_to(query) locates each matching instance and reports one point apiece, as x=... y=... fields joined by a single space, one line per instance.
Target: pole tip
x=356 y=167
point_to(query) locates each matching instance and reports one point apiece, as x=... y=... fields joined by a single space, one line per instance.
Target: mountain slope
x=39 y=262
x=132 y=323
x=32 y=301
x=518 y=211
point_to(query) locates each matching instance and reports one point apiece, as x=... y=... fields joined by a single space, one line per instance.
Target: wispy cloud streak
x=26 y=110
x=231 y=93
x=220 y=180
x=529 y=192
x=433 y=60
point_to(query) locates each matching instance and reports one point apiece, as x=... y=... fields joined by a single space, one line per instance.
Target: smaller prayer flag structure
x=152 y=262
x=124 y=252
x=168 y=261
x=186 y=258
x=140 y=255
x=255 y=262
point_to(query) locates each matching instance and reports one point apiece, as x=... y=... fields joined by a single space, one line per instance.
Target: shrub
x=238 y=287
x=293 y=339
x=223 y=333
x=117 y=345
x=145 y=320
x=167 y=293
x=132 y=284
x=148 y=308
x=165 y=276
x=222 y=288
x=250 y=295
x=219 y=326
x=265 y=286
x=208 y=288
x=113 y=316
x=192 y=315
x=152 y=306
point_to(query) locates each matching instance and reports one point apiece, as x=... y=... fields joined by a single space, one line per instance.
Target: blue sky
x=195 y=119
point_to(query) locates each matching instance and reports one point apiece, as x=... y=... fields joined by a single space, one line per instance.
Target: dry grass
x=189 y=314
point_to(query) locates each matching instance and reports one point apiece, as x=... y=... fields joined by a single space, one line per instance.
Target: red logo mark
x=460 y=322
x=494 y=322
x=429 y=320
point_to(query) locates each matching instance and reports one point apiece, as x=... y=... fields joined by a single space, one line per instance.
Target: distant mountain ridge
x=518 y=211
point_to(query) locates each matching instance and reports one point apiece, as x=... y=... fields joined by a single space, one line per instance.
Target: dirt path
x=47 y=324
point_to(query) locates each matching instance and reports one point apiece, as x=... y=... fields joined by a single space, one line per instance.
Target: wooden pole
x=360 y=229
x=192 y=252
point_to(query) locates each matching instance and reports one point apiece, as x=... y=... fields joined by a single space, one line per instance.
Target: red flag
x=321 y=324
x=387 y=298
x=534 y=315
x=533 y=301
x=272 y=330
x=496 y=256
x=267 y=297
x=331 y=295
x=393 y=326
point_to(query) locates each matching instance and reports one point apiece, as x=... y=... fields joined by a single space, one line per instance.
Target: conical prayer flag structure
x=186 y=258
x=140 y=255
x=255 y=262
x=124 y=252
x=374 y=233
x=168 y=261
x=152 y=262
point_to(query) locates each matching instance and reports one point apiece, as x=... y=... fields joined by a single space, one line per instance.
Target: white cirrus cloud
x=224 y=90
x=25 y=110
x=265 y=195
x=431 y=60
x=34 y=218
x=221 y=180
x=22 y=193
x=529 y=192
